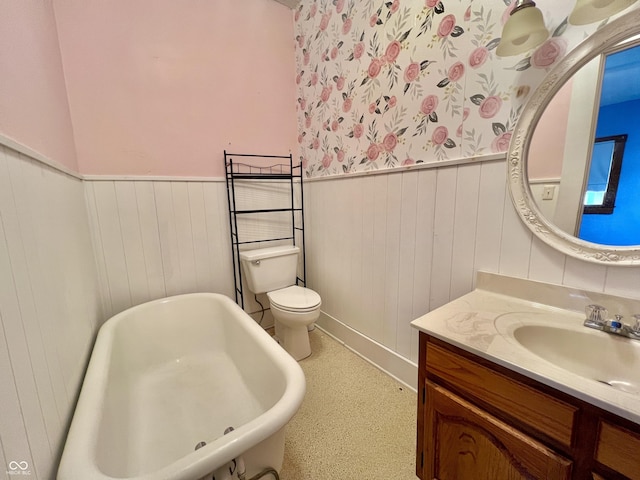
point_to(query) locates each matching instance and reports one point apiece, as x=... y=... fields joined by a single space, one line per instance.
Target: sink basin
x=606 y=358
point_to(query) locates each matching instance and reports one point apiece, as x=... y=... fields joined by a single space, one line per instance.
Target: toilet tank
x=269 y=269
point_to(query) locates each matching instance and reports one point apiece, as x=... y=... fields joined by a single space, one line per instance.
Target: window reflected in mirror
x=604 y=175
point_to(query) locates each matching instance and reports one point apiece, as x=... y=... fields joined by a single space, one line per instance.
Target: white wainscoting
x=157 y=239
x=49 y=310
x=382 y=249
x=385 y=249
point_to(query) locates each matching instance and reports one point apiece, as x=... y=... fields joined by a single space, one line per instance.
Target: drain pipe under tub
x=237 y=466
x=266 y=471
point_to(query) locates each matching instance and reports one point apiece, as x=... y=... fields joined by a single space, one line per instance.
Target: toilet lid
x=294 y=298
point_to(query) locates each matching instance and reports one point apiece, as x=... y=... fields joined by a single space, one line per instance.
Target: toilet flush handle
x=256 y=262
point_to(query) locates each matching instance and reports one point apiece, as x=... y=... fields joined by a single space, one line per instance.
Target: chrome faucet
x=597 y=319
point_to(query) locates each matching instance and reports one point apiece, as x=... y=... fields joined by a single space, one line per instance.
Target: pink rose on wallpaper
x=340 y=83
x=440 y=135
x=459 y=131
x=408 y=161
x=372 y=152
x=478 y=57
x=432 y=3
x=306 y=57
x=324 y=21
x=346 y=26
x=314 y=78
x=392 y=101
x=326 y=160
x=490 y=106
x=501 y=142
x=339 y=6
x=374 y=67
x=340 y=155
x=296 y=16
x=392 y=52
x=358 y=130
x=465 y=113
x=372 y=107
x=411 y=72
x=446 y=26
x=298 y=79
x=300 y=39
x=335 y=125
x=346 y=106
x=316 y=143
x=334 y=53
x=429 y=104
x=326 y=93
x=456 y=71
x=358 y=50
x=390 y=141
x=303 y=104
x=305 y=162
x=313 y=11
x=373 y=20
x=394 y=6
x=300 y=138
x=547 y=53
x=307 y=121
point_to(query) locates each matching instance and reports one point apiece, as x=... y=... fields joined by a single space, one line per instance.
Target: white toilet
x=273 y=271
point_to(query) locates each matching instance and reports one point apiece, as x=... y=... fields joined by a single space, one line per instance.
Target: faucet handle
x=596 y=314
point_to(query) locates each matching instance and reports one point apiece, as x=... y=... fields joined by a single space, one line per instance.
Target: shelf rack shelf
x=245 y=169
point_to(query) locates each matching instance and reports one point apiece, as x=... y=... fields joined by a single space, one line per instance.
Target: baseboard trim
x=381 y=357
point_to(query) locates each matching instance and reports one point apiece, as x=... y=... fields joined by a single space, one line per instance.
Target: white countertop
x=482 y=322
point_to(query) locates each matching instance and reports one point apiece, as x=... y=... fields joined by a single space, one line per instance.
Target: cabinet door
x=618 y=449
x=462 y=442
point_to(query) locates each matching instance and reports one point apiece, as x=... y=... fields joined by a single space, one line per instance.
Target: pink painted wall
x=160 y=87
x=33 y=98
x=548 y=141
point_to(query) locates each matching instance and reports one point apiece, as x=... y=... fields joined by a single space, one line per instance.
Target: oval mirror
x=578 y=188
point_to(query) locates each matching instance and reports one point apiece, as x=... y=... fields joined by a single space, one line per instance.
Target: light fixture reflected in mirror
x=590 y=11
x=523 y=31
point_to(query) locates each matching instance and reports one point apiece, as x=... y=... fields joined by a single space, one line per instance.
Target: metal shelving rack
x=247 y=168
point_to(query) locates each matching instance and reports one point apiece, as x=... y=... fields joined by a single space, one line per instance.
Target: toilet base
x=291 y=329
x=295 y=341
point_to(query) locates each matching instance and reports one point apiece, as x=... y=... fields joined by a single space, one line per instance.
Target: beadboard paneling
x=420 y=238
x=161 y=238
x=381 y=249
x=49 y=308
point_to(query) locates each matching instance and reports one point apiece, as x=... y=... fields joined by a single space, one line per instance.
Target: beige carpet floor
x=355 y=423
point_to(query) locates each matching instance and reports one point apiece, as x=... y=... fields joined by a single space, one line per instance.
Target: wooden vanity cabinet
x=464 y=441
x=480 y=421
x=618 y=449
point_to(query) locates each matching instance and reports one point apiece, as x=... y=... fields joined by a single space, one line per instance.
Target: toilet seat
x=295 y=299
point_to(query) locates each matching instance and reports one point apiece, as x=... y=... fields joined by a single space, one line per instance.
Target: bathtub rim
x=79 y=460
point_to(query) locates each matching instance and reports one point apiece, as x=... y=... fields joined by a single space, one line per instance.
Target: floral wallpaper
x=389 y=83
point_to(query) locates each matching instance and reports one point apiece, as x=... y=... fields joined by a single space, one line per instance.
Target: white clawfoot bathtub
x=169 y=374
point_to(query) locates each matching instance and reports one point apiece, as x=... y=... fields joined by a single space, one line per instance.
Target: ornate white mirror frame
x=611 y=34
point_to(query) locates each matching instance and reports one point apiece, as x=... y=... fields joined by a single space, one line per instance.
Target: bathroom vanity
x=511 y=385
